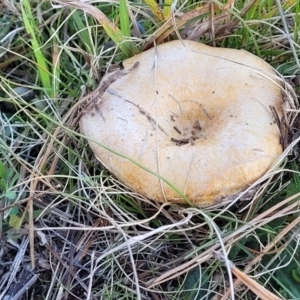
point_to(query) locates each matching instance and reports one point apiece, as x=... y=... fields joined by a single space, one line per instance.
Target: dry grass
x=70 y=230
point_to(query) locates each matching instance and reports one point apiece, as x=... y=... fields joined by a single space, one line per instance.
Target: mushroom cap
x=196 y=115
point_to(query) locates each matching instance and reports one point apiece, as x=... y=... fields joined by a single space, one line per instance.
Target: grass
x=64 y=218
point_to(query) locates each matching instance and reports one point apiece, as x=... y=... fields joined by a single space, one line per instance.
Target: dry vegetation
x=70 y=230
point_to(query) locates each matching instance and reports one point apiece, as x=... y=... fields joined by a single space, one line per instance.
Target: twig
x=283 y=128
x=112 y=78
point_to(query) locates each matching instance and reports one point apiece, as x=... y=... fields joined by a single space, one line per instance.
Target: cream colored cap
x=198 y=116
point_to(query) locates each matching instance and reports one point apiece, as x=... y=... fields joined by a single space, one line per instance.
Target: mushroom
x=196 y=115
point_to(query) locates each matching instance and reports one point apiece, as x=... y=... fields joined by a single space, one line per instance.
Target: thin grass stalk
x=286 y=30
x=41 y=60
x=254 y=286
x=83 y=32
x=126 y=46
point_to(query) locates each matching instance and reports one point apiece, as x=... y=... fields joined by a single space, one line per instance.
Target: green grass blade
x=32 y=30
x=127 y=47
x=124 y=18
x=82 y=29
x=155 y=9
x=167 y=8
